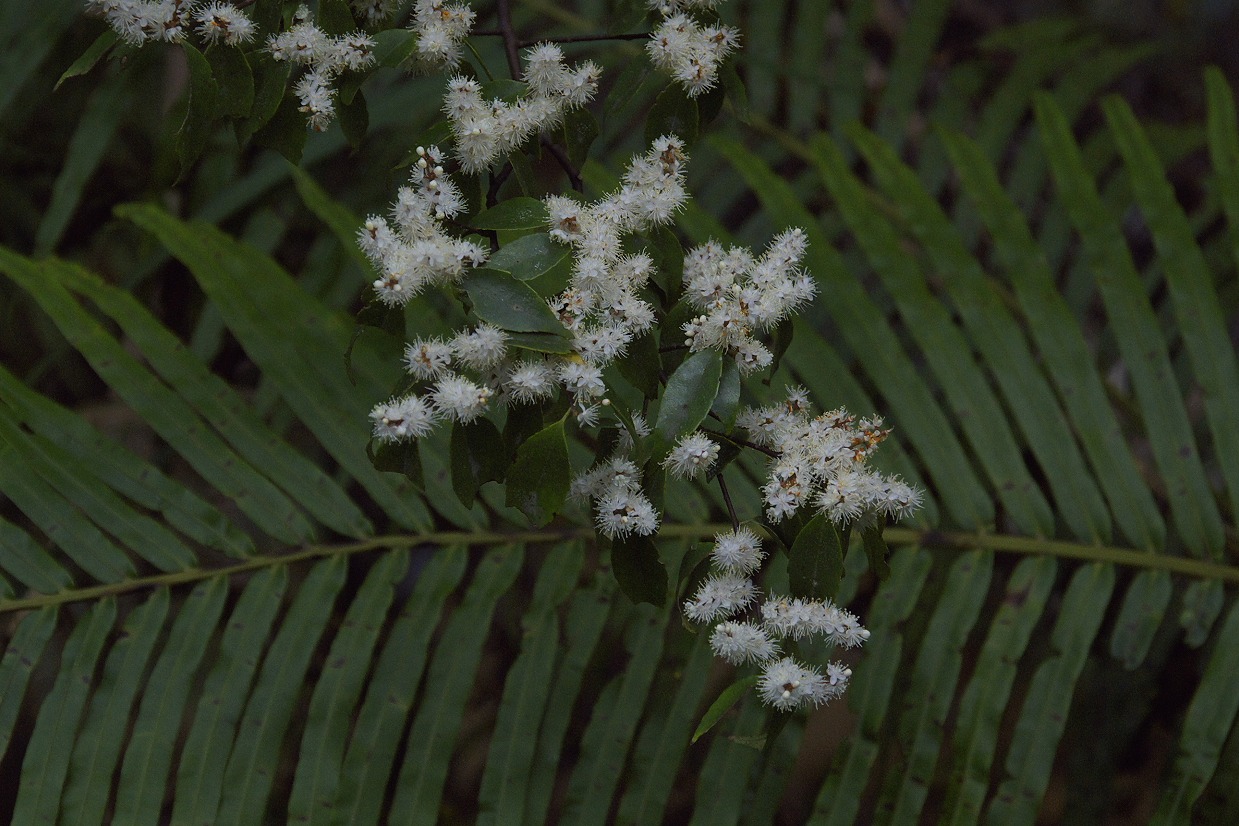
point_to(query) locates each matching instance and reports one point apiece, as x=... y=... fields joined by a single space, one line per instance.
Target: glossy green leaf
x=638 y=570
x=234 y=81
x=538 y=480
x=95 y=52
x=722 y=704
x=475 y=459
x=200 y=115
x=22 y=653
x=531 y=257
x=815 y=562
x=673 y=113
x=687 y=399
x=514 y=214
x=509 y=304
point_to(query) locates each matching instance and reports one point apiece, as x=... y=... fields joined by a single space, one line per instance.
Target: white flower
x=317 y=97
x=787 y=685
x=721 y=595
x=692 y=456
x=742 y=642
x=621 y=512
x=459 y=399
x=582 y=379
x=530 y=381
x=427 y=358
x=402 y=418
x=223 y=22
x=482 y=348
x=738 y=552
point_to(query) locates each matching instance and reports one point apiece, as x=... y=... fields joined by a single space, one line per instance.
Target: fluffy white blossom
x=740 y=295
x=325 y=57
x=788 y=685
x=822 y=460
x=170 y=21
x=460 y=399
x=737 y=552
x=418 y=251
x=224 y=23
x=480 y=348
x=692 y=456
x=373 y=12
x=624 y=512
x=688 y=51
x=486 y=130
x=441 y=28
x=720 y=596
x=402 y=418
x=742 y=642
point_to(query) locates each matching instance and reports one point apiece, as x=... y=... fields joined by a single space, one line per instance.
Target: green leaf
x=815 y=563
x=148 y=759
x=639 y=571
x=419 y=787
x=690 y=393
x=673 y=113
x=475 y=460
x=510 y=304
x=98 y=743
x=540 y=343
x=394 y=46
x=234 y=81
x=877 y=551
x=580 y=130
x=1144 y=608
x=270 y=82
x=22 y=653
x=200 y=774
x=722 y=704
x=354 y=119
x=531 y=257
x=93 y=54
x=538 y=480
x=46 y=761
x=200 y=115
x=334 y=17
x=727 y=403
x=514 y=213
x=330 y=714
x=399 y=457
x=737 y=95
x=284 y=131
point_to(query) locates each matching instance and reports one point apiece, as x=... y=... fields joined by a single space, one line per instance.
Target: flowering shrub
x=548 y=359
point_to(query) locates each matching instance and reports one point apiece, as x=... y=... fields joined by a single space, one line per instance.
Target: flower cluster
x=621 y=506
x=137 y=21
x=419 y=251
x=692 y=456
x=325 y=57
x=690 y=52
x=821 y=460
x=739 y=295
x=441 y=28
x=485 y=130
x=729 y=591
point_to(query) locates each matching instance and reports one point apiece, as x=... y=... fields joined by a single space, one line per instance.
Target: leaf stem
x=931 y=539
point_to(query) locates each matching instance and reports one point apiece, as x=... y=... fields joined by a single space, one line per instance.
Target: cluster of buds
x=687 y=50
x=441 y=28
x=729 y=592
x=137 y=21
x=486 y=130
x=419 y=252
x=739 y=295
x=325 y=57
x=822 y=460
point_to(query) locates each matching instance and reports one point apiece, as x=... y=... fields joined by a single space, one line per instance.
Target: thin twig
x=583 y=38
x=731 y=509
x=511 y=45
x=773 y=454
x=574 y=177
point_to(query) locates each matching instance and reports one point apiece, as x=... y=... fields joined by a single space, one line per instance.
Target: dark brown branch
x=574 y=177
x=584 y=38
x=731 y=509
x=511 y=45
